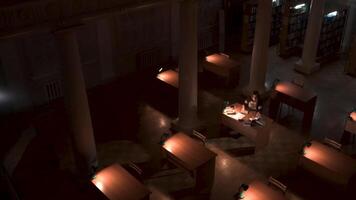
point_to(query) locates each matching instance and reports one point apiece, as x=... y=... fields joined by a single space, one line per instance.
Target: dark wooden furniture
x=223 y=66
x=328 y=163
x=193 y=156
x=118 y=184
x=260 y=191
x=259 y=134
x=296 y=97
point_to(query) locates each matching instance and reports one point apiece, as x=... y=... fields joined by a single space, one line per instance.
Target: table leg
x=205 y=177
x=274 y=108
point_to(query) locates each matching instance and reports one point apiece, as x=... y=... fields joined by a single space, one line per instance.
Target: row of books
x=250 y=14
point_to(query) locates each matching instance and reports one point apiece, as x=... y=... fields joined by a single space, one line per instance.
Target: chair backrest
x=199 y=136
x=227 y=56
x=277 y=184
x=135 y=168
x=298 y=81
x=332 y=143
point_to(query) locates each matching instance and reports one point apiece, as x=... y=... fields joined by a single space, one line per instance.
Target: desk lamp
x=305 y=145
x=275 y=82
x=164 y=138
x=240 y=194
x=352 y=114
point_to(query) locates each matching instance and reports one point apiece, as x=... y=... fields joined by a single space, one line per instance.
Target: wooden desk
x=260 y=191
x=170 y=77
x=259 y=134
x=223 y=66
x=118 y=184
x=328 y=163
x=191 y=155
x=295 y=96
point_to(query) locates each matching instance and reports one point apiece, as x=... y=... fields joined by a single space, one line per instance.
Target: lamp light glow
x=299 y=6
x=332 y=14
x=160 y=69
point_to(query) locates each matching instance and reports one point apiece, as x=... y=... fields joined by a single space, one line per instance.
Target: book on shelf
x=331 y=33
x=249 y=25
x=295 y=19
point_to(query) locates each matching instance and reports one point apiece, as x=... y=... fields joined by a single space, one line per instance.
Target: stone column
x=77 y=103
x=105 y=43
x=221 y=30
x=259 y=60
x=174 y=29
x=188 y=65
x=307 y=64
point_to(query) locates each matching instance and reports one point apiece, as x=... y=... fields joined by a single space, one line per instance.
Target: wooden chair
x=227 y=56
x=298 y=81
x=272 y=181
x=134 y=170
x=332 y=143
x=198 y=136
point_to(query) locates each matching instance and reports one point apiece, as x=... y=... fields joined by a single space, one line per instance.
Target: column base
x=304 y=68
x=187 y=127
x=248 y=90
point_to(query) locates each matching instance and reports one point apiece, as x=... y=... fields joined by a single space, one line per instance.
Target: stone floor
x=128 y=124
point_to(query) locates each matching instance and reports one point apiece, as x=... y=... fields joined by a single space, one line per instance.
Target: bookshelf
x=249 y=23
x=294 y=25
x=331 y=35
x=350 y=67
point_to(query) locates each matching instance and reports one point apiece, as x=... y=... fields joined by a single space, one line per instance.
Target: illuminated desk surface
x=259 y=134
x=221 y=60
x=339 y=166
x=295 y=91
x=224 y=67
x=170 y=77
x=300 y=98
x=260 y=191
x=118 y=184
x=190 y=153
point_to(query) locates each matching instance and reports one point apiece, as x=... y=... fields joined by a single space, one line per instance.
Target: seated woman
x=254 y=103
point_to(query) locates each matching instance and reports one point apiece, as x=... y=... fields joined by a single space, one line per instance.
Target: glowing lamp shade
x=299 y=6
x=332 y=14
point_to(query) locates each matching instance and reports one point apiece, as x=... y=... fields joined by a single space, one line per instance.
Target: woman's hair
x=255 y=92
